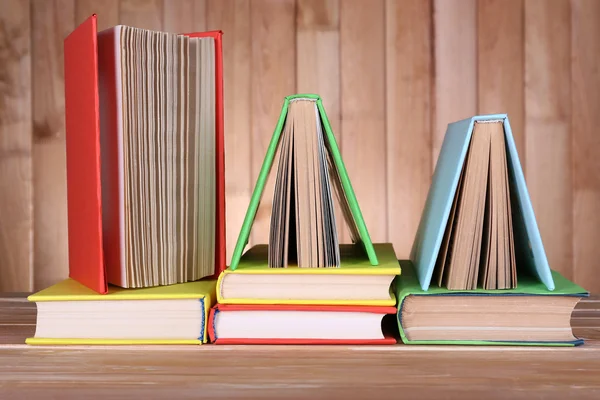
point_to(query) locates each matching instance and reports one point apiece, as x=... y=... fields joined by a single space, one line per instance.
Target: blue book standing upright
x=443 y=188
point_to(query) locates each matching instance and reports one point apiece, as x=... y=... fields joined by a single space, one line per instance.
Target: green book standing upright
x=478 y=272
x=303 y=227
x=304 y=263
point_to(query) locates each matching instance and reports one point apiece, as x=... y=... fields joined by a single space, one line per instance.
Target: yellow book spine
x=219 y=283
x=107 y=342
x=207 y=306
x=313 y=271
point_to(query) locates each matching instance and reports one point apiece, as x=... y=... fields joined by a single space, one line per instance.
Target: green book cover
x=408 y=284
x=266 y=169
x=353 y=262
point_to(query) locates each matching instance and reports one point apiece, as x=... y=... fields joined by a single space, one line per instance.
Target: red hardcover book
x=300 y=324
x=95 y=240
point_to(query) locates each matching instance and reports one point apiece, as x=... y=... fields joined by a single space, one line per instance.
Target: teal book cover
x=432 y=226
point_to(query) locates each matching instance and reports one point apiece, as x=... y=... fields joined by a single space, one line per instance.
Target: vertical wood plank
x=318 y=65
x=145 y=14
x=547 y=123
x=51 y=22
x=585 y=91
x=408 y=81
x=500 y=63
x=233 y=17
x=16 y=187
x=455 y=39
x=273 y=77
x=317 y=58
x=184 y=16
x=362 y=60
x=107 y=12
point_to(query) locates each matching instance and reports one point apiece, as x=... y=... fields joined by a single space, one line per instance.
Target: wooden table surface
x=295 y=372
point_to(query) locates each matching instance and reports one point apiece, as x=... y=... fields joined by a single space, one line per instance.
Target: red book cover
x=93 y=243
x=82 y=122
x=388 y=339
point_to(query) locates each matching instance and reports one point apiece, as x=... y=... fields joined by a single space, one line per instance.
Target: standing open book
x=304 y=263
x=145 y=163
x=303 y=223
x=479 y=242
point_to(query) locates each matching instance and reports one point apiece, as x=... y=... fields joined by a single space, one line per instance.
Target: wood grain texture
x=317 y=54
x=146 y=14
x=184 y=16
x=52 y=21
x=273 y=64
x=233 y=17
x=548 y=124
x=107 y=12
x=296 y=372
x=363 y=111
x=532 y=59
x=318 y=67
x=16 y=186
x=408 y=128
x=585 y=120
x=500 y=64
x=455 y=57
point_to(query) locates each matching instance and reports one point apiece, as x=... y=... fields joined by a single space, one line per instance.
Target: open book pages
x=157 y=102
x=303 y=222
x=478 y=244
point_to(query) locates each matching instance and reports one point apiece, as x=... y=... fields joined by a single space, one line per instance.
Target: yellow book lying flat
x=70 y=313
x=355 y=282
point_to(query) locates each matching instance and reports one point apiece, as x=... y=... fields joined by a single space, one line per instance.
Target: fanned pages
x=164 y=103
x=303 y=223
x=478 y=245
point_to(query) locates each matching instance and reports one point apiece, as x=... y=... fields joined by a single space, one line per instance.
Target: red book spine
x=234 y=307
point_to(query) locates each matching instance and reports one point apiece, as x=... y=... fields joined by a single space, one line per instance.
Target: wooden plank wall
x=392 y=74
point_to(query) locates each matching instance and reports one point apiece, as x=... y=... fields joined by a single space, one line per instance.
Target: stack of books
x=146 y=219
x=304 y=286
x=146 y=198
x=478 y=272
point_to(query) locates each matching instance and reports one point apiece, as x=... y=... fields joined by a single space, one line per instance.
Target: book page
x=506 y=261
x=478 y=243
x=466 y=245
x=329 y=221
x=440 y=270
x=302 y=225
x=169 y=136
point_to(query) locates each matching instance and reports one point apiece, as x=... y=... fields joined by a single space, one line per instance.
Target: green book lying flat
x=527 y=315
x=354 y=283
x=479 y=273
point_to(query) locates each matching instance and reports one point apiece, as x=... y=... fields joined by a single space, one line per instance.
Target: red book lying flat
x=297 y=324
x=145 y=156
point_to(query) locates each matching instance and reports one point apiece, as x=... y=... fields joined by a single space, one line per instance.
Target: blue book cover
x=441 y=194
